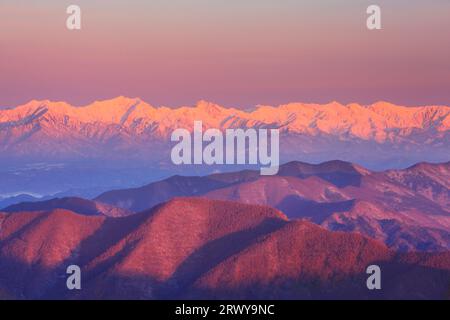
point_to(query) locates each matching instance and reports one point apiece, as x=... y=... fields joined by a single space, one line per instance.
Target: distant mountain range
x=381 y=135
x=52 y=147
x=408 y=210
x=198 y=248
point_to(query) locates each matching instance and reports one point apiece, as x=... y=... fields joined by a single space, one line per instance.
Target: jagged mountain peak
x=326 y=117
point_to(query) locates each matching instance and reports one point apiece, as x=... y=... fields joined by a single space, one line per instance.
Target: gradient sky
x=236 y=53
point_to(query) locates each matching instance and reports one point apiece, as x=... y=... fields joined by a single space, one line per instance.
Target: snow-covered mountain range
x=380 y=135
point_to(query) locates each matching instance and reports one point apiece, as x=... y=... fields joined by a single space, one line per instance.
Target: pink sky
x=241 y=54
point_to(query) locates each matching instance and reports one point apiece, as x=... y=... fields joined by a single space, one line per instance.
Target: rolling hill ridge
x=199 y=248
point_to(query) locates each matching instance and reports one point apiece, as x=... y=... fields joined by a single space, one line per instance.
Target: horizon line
x=200 y=101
